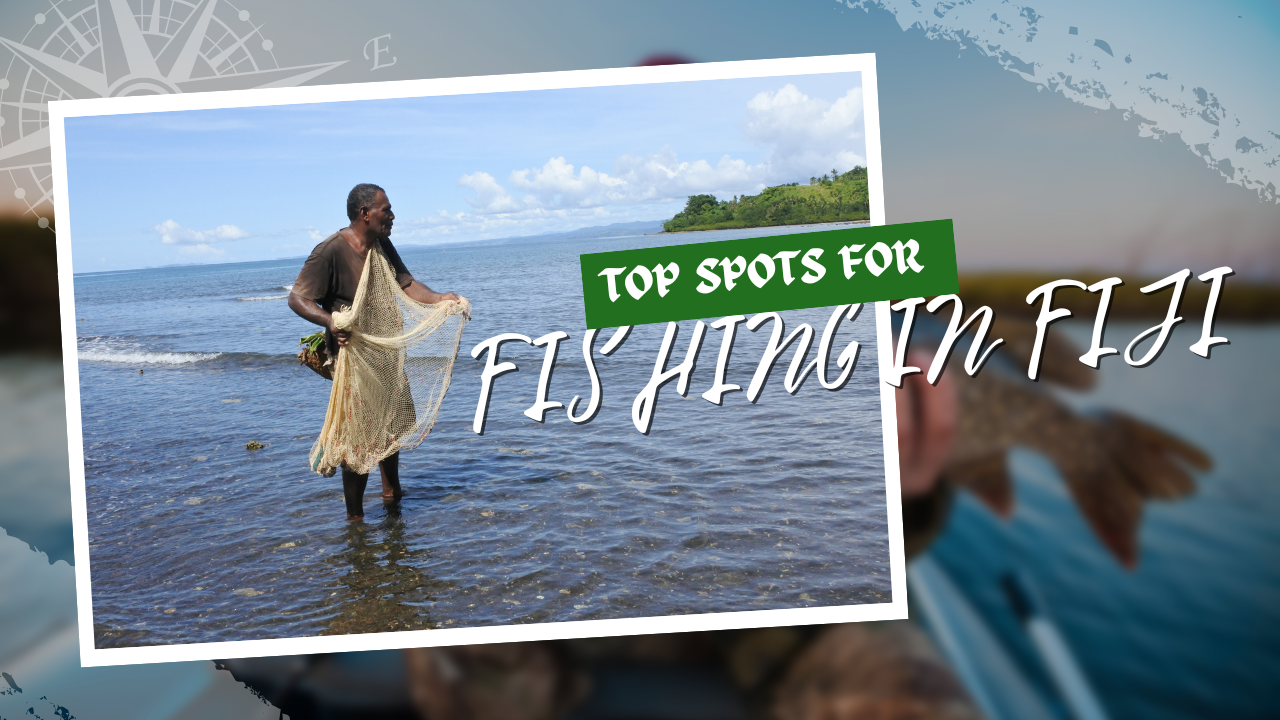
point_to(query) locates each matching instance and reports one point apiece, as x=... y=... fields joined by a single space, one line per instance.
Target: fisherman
x=327 y=284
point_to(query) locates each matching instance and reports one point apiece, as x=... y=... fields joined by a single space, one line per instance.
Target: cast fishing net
x=390 y=378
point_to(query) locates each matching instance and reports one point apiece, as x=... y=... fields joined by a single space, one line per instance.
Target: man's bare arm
x=313 y=313
x=426 y=295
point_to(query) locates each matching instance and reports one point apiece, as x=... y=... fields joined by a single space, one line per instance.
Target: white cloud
x=655 y=178
x=805 y=136
x=810 y=136
x=171 y=233
x=556 y=185
x=200 y=249
x=490 y=196
x=662 y=176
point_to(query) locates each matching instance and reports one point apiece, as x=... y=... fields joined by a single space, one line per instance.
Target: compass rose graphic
x=112 y=48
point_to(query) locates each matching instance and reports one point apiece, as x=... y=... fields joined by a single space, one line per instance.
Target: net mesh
x=391 y=376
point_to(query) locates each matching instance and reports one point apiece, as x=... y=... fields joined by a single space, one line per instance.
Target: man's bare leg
x=390 y=468
x=353 y=485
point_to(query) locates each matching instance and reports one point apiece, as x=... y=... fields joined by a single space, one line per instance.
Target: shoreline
x=758 y=227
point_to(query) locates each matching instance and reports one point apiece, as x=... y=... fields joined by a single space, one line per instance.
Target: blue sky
x=258 y=183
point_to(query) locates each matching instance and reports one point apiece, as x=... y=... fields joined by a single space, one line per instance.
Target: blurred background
x=1068 y=140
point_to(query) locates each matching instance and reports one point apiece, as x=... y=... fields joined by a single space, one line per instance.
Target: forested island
x=830 y=198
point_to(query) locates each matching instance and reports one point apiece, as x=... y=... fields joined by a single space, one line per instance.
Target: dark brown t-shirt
x=331 y=275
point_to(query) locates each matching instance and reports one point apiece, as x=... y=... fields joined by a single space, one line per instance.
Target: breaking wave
x=115 y=351
x=136 y=357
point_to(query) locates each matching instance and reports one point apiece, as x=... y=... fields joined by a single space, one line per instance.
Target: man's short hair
x=360 y=196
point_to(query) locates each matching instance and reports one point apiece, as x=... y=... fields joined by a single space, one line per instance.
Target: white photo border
x=91 y=656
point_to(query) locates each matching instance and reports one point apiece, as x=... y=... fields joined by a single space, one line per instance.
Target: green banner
x=763 y=274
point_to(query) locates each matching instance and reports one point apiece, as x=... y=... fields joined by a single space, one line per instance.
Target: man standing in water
x=328 y=283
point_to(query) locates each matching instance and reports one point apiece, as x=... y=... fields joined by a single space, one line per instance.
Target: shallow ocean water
x=193 y=538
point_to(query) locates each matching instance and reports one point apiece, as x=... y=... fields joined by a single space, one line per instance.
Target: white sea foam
x=98 y=350
x=257 y=298
x=143 y=357
x=288 y=287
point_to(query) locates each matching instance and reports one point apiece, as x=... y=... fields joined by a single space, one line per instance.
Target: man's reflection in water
x=385 y=591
